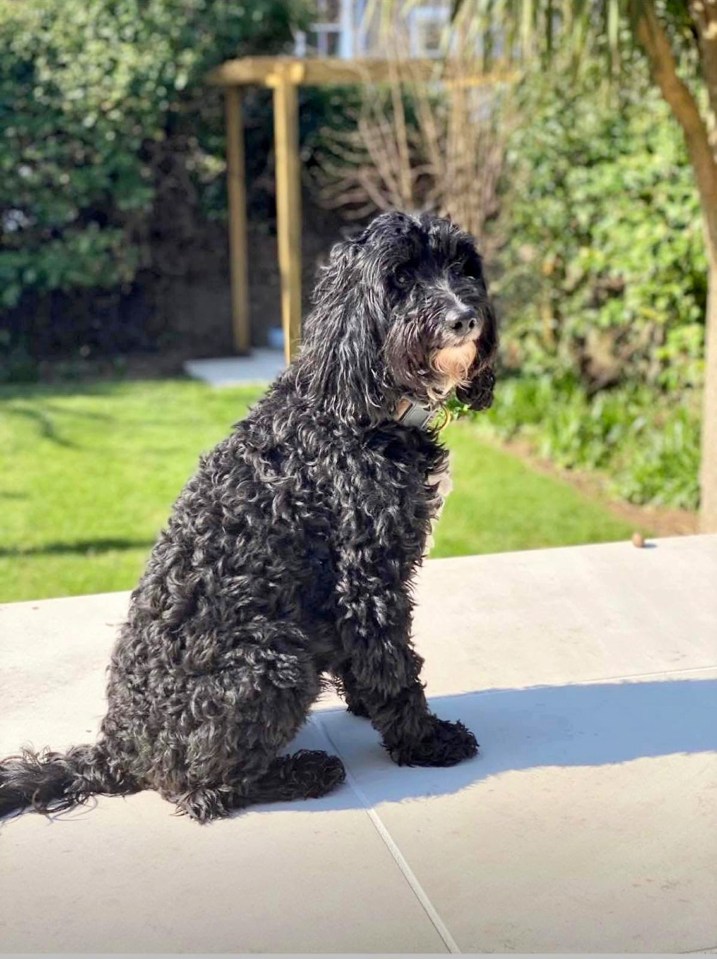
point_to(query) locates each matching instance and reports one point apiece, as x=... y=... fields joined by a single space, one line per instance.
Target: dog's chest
x=439 y=484
x=425 y=465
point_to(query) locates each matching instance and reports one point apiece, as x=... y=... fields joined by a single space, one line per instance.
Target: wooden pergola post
x=238 y=233
x=284 y=75
x=288 y=201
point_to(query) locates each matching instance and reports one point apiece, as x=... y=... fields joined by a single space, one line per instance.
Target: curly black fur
x=290 y=554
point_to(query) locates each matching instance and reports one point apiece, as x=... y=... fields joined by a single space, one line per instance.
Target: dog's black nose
x=461 y=320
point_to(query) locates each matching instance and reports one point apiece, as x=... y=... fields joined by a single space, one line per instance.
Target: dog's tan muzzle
x=455 y=362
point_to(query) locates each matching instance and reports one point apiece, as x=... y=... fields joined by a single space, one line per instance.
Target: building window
x=327 y=37
x=428 y=31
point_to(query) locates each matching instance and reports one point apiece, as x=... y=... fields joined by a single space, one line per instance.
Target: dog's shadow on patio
x=542 y=726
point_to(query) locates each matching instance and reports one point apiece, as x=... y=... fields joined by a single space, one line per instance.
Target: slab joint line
x=398 y=856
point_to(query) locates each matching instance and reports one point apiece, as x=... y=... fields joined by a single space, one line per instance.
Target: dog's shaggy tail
x=51 y=782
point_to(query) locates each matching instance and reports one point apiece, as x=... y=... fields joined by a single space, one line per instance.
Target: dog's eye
x=402 y=279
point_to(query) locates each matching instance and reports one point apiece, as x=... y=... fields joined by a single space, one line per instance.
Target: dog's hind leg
x=237 y=722
x=307 y=774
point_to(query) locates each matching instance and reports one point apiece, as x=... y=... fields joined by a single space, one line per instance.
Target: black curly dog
x=290 y=553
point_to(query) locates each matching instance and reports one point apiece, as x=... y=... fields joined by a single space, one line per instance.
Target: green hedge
x=602 y=284
x=99 y=101
x=604 y=274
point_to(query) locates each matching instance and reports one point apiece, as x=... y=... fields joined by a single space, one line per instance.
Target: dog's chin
x=453 y=365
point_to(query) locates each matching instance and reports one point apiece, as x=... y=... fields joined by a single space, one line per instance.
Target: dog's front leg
x=381 y=675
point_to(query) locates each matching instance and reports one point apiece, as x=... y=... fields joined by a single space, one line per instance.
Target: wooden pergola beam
x=328 y=71
x=284 y=75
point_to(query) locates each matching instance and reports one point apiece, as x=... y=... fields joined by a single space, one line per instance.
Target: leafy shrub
x=602 y=283
x=647 y=445
x=604 y=274
x=102 y=102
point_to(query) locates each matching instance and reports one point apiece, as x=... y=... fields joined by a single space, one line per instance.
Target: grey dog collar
x=415 y=414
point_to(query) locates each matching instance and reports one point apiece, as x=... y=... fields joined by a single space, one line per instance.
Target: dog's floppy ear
x=478 y=395
x=341 y=350
x=334 y=274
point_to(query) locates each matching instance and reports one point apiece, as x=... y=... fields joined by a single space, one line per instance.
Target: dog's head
x=402 y=309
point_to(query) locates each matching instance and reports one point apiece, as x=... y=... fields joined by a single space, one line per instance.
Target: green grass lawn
x=90 y=471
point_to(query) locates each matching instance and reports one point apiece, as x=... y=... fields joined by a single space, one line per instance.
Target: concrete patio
x=587 y=824
x=261 y=367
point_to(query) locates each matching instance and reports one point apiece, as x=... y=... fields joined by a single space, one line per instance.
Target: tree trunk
x=704 y=16
x=708 y=477
x=655 y=43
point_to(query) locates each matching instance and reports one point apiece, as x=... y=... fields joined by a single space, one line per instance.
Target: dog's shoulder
x=418 y=450
x=389 y=463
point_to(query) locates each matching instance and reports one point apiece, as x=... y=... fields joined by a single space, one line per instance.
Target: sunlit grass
x=90 y=472
x=498 y=503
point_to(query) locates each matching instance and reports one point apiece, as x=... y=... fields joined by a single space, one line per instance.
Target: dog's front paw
x=445 y=745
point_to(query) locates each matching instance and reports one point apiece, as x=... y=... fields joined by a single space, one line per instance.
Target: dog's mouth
x=453 y=362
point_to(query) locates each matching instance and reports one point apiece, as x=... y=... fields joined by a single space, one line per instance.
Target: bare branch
x=447 y=158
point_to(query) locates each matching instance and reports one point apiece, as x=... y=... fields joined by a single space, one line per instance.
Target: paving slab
x=125 y=875
x=589 y=821
x=262 y=366
x=586 y=824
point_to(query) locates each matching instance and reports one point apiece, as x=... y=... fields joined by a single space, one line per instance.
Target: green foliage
x=605 y=272
x=603 y=287
x=571 y=35
x=94 y=94
x=647 y=444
